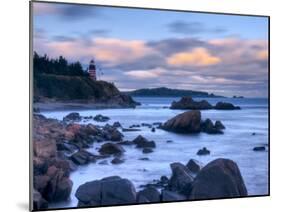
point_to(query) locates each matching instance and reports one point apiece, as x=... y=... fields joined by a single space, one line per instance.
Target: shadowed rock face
x=218 y=179
x=226 y=106
x=107 y=191
x=187 y=103
x=187 y=122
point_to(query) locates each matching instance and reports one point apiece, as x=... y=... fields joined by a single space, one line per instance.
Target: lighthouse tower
x=92 y=70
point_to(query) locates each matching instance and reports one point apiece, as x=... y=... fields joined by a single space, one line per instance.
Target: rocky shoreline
x=60 y=146
x=187 y=103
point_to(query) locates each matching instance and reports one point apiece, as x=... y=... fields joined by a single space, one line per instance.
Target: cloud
x=196 y=57
x=146 y=74
x=262 y=55
x=66 y=12
x=190 y=28
x=229 y=66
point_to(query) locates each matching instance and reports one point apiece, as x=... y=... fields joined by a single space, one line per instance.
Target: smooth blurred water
x=236 y=143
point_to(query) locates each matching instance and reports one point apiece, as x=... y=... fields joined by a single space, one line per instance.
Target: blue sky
x=137 y=48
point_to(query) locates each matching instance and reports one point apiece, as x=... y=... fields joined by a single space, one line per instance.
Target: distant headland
x=168 y=92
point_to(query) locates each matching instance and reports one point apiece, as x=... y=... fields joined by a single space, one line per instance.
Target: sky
x=136 y=48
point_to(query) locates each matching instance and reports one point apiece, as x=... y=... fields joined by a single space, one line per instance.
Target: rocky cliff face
x=49 y=87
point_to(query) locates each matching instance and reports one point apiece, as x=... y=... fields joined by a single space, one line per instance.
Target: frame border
x=129 y=7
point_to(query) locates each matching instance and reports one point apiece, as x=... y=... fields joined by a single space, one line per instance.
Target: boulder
x=181 y=178
x=115 y=135
x=38 y=201
x=110 y=148
x=101 y=118
x=187 y=103
x=219 y=125
x=107 y=191
x=259 y=148
x=208 y=127
x=187 y=122
x=226 y=106
x=153 y=129
x=72 y=117
x=117 y=161
x=194 y=166
x=82 y=157
x=149 y=194
x=203 y=151
x=168 y=196
x=220 y=178
x=117 y=124
x=142 y=142
x=147 y=150
x=45 y=148
x=40 y=165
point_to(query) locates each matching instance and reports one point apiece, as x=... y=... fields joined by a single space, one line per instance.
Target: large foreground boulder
x=168 y=196
x=107 y=191
x=181 y=178
x=187 y=103
x=187 y=122
x=149 y=194
x=219 y=179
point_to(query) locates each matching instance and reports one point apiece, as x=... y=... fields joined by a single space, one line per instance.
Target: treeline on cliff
x=58 y=66
x=59 y=80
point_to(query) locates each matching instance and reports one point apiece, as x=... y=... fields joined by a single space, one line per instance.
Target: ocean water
x=236 y=143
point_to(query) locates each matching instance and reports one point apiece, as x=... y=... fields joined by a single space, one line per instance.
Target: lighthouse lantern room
x=92 y=70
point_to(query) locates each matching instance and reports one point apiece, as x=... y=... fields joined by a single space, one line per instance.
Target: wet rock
x=259 y=148
x=117 y=161
x=127 y=143
x=152 y=129
x=117 y=124
x=130 y=130
x=187 y=103
x=169 y=141
x=226 y=106
x=194 y=165
x=253 y=133
x=110 y=148
x=40 y=165
x=208 y=127
x=65 y=146
x=164 y=180
x=168 y=196
x=149 y=194
x=219 y=125
x=203 y=151
x=144 y=159
x=82 y=157
x=134 y=126
x=146 y=125
x=72 y=117
x=187 y=122
x=107 y=191
x=101 y=118
x=103 y=162
x=38 y=201
x=218 y=179
x=181 y=178
x=45 y=148
x=147 y=150
x=142 y=142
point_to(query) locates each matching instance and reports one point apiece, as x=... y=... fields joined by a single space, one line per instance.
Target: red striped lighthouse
x=92 y=70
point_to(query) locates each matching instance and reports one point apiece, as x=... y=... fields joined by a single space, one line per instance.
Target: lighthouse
x=92 y=70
